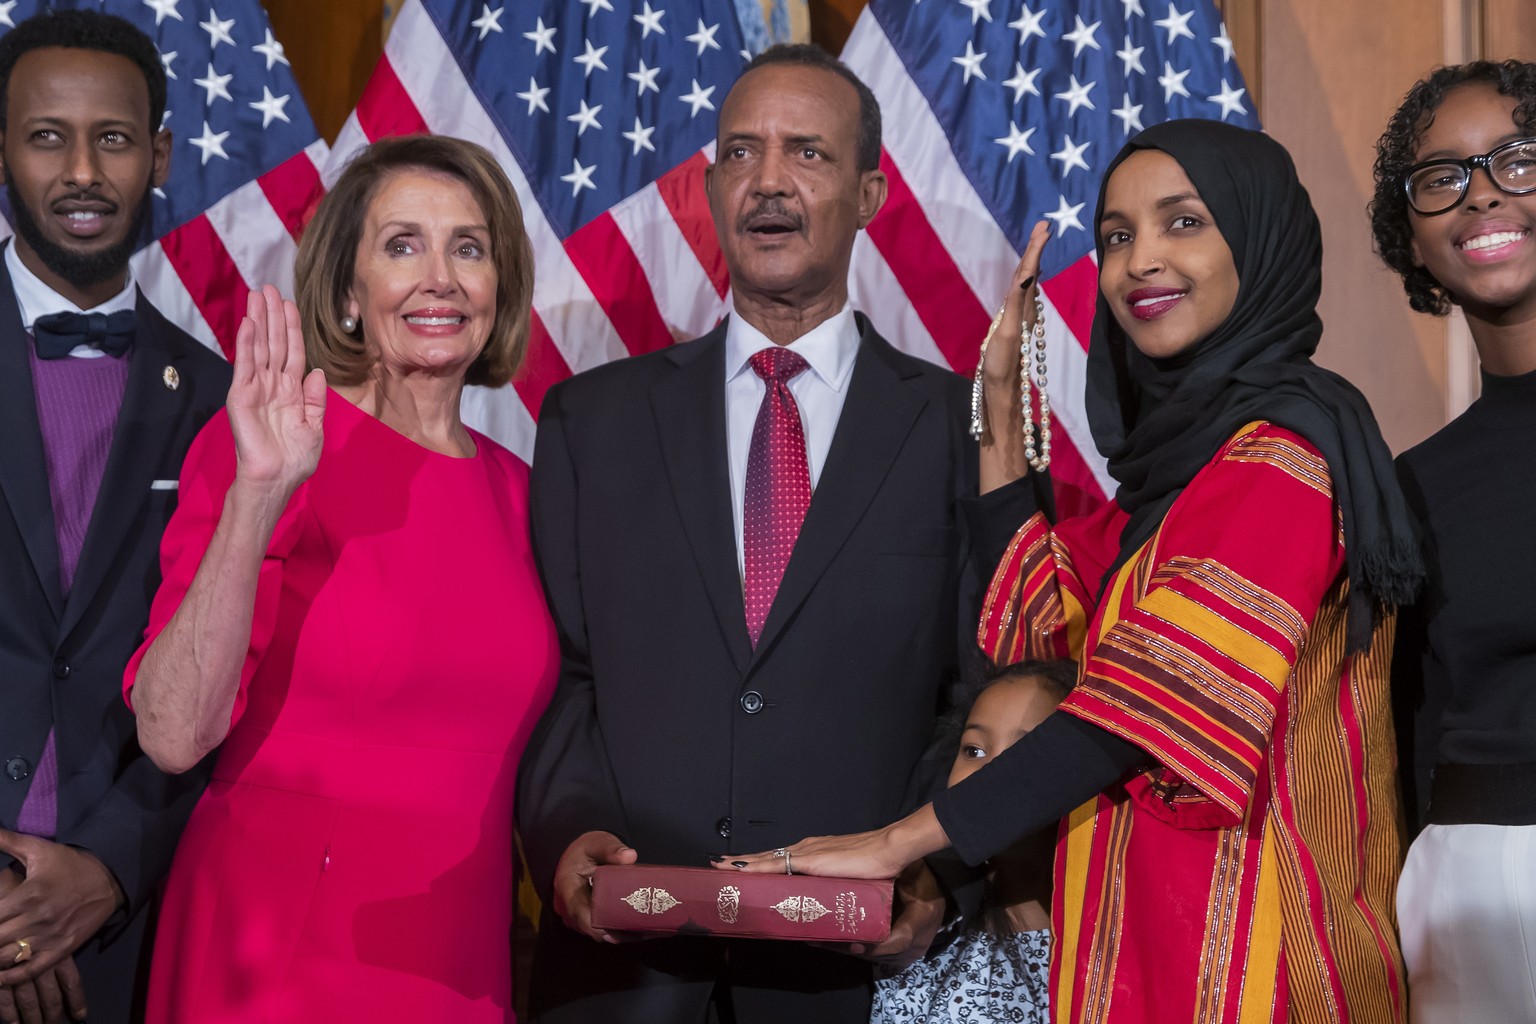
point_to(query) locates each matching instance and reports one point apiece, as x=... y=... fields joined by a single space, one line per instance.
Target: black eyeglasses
x=1440 y=185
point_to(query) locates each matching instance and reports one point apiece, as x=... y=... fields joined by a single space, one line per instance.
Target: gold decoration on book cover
x=850 y=916
x=651 y=901
x=801 y=909
x=728 y=903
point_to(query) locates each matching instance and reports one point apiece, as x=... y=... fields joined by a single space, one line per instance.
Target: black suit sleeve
x=565 y=783
x=133 y=829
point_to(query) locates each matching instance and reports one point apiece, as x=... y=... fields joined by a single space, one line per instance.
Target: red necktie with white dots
x=778 y=485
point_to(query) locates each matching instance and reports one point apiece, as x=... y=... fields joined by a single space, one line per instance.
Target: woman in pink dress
x=350 y=614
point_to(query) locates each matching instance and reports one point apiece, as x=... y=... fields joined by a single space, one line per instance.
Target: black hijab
x=1159 y=421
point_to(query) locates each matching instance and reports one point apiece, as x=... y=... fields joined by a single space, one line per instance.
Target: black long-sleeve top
x=1465 y=670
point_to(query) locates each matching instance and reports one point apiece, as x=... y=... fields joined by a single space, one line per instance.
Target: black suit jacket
x=62 y=658
x=667 y=727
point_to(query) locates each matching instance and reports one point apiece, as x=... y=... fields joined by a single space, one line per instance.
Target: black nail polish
x=739 y=863
x=1024 y=285
x=716 y=859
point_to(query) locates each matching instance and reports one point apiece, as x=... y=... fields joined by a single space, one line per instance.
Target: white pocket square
x=164 y=485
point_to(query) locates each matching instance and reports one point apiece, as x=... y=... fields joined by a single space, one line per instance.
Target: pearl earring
x=348 y=324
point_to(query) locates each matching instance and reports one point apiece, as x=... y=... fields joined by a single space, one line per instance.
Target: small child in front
x=997 y=967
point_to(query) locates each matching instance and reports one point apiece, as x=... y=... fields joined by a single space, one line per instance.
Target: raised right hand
x=573 y=880
x=275 y=411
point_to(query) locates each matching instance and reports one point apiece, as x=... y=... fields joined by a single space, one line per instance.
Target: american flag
x=602 y=112
x=244 y=162
x=1000 y=113
x=997 y=113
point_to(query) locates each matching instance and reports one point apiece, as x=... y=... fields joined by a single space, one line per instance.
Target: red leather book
x=707 y=901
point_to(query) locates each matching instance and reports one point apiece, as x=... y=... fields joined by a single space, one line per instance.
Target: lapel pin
x=170 y=378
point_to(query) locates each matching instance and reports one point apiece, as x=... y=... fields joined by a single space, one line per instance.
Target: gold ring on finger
x=23 y=952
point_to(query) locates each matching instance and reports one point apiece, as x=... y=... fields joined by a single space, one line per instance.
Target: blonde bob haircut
x=327 y=262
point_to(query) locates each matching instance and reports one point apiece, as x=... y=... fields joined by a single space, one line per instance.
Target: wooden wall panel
x=832 y=20
x=1333 y=74
x=1244 y=28
x=333 y=47
x=1509 y=29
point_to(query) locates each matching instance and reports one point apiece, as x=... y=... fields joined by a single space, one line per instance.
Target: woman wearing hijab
x=1228 y=749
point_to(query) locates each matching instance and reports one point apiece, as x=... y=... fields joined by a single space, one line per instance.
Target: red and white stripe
x=649 y=272
x=936 y=264
x=198 y=274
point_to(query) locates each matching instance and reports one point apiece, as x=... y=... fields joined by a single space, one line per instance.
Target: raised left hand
x=1003 y=456
x=62 y=898
x=1002 y=365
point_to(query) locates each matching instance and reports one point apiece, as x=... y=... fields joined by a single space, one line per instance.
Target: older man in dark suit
x=752 y=549
x=99 y=398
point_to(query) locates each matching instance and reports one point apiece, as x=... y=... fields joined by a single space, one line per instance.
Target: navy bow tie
x=58 y=334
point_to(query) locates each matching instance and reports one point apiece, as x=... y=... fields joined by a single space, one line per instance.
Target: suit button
x=723 y=826
x=751 y=702
x=18 y=768
x=60 y=668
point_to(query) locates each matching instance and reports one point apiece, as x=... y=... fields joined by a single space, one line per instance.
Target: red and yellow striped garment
x=1249 y=877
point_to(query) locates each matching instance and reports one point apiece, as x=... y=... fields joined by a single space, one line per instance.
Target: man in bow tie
x=751 y=545
x=99 y=398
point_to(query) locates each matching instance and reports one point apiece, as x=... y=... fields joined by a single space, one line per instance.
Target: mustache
x=770 y=212
x=82 y=269
x=85 y=197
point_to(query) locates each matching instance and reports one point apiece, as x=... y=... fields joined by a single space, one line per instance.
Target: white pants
x=1466 y=906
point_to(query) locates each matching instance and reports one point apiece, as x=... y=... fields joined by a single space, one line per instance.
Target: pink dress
x=352 y=858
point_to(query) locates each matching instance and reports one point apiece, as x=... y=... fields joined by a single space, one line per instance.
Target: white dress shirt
x=830 y=349
x=36 y=299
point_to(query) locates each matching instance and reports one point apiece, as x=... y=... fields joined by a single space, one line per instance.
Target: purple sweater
x=77 y=404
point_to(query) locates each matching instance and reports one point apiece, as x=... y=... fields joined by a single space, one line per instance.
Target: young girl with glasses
x=1453 y=213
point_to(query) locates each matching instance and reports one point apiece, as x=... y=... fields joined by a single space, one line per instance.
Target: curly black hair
x=1395 y=154
x=1059 y=678
x=84 y=30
